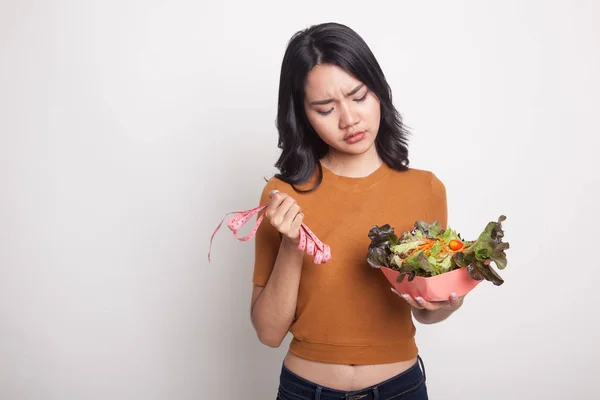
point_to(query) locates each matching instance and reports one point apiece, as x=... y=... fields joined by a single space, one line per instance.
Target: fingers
x=274 y=212
x=276 y=200
x=455 y=302
x=419 y=303
x=297 y=222
x=286 y=222
x=291 y=213
x=285 y=214
x=431 y=306
x=413 y=302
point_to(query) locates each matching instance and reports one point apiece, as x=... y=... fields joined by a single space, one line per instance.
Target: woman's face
x=341 y=109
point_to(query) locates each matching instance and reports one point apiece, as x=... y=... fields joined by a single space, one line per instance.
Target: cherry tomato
x=455 y=245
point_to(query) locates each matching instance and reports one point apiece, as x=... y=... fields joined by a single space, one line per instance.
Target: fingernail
x=394 y=290
x=420 y=300
x=405 y=297
x=453 y=296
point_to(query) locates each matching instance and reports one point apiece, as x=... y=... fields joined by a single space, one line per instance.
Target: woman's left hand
x=453 y=302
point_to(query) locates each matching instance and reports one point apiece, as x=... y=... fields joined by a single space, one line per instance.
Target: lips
x=350 y=135
x=355 y=137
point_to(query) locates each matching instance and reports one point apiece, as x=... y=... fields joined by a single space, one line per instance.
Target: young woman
x=343 y=169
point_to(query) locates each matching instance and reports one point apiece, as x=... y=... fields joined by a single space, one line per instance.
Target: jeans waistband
x=407 y=381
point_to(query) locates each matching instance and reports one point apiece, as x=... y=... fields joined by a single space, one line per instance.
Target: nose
x=348 y=116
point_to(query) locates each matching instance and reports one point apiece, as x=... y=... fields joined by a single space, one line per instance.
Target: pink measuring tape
x=308 y=240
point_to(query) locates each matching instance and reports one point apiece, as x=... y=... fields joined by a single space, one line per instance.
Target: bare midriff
x=344 y=377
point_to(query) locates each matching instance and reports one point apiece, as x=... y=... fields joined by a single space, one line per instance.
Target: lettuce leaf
x=430 y=230
x=382 y=239
x=448 y=235
x=407 y=244
x=488 y=248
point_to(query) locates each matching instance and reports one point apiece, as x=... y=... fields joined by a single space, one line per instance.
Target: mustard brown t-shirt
x=346 y=312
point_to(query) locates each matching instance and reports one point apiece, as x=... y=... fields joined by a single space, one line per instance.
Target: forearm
x=274 y=310
x=429 y=317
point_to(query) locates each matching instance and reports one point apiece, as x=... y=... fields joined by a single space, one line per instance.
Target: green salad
x=428 y=250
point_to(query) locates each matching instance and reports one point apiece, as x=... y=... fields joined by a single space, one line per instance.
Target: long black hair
x=302 y=148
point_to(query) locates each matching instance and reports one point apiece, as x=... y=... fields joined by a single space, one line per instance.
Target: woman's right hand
x=284 y=213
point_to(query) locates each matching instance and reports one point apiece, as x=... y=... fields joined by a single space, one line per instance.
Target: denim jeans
x=408 y=385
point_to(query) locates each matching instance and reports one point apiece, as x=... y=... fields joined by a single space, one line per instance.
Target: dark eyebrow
x=327 y=101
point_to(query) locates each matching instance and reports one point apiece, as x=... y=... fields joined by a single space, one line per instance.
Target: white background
x=129 y=128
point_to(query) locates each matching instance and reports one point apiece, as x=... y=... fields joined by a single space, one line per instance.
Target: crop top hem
x=354 y=354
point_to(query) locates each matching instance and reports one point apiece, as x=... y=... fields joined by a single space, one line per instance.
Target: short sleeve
x=266 y=242
x=439 y=202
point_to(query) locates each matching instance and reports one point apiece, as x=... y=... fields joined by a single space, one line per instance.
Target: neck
x=352 y=165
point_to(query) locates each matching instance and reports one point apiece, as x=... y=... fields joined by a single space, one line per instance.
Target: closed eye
x=325 y=112
x=357 y=100
x=362 y=98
